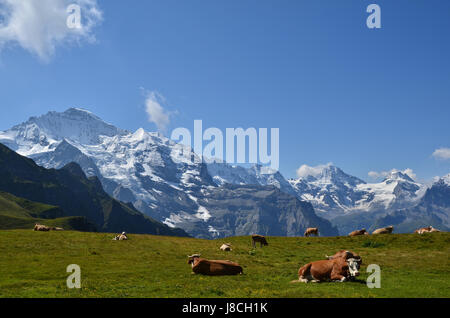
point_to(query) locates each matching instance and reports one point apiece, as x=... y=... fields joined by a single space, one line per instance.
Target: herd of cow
x=342 y=266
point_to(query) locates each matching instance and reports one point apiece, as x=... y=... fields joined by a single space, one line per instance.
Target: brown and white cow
x=344 y=254
x=338 y=270
x=358 y=232
x=428 y=229
x=311 y=230
x=213 y=267
x=384 y=230
x=423 y=230
x=259 y=239
x=226 y=247
x=121 y=237
x=40 y=227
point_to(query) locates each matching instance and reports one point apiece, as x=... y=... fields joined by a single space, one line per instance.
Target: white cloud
x=383 y=174
x=376 y=175
x=305 y=170
x=40 y=26
x=442 y=153
x=156 y=113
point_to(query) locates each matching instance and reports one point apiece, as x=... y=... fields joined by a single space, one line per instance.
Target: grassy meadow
x=33 y=264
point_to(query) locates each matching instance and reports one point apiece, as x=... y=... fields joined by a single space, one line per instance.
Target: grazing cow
x=260 y=239
x=311 y=230
x=358 y=232
x=40 y=227
x=121 y=237
x=345 y=255
x=214 y=267
x=338 y=269
x=226 y=247
x=384 y=230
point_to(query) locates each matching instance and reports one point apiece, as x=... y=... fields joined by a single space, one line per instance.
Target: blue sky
x=364 y=99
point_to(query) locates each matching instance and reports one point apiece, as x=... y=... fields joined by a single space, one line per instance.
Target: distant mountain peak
x=398 y=176
x=325 y=174
x=445 y=180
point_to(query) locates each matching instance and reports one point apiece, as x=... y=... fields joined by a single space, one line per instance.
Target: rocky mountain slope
x=69 y=189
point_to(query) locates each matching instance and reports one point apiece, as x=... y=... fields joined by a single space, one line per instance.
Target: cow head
x=353 y=266
x=191 y=258
x=350 y=255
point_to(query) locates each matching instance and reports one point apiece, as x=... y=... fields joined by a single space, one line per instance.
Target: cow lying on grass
x=214 y=267
x=334 y=270
x=226 y=247
x=428 y=229
x=45 y=228
x=40 y=227
x=121 y=237
x=384 y=230
x=358 y=232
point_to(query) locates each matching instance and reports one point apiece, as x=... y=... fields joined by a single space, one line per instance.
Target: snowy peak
x=329 y=188
x=398 y=176
x=446 y=180
x=325 y=174
x=41 y=134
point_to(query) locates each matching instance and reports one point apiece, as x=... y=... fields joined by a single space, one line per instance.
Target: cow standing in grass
x=259 y=239
x=213 y=267
x=310 y=231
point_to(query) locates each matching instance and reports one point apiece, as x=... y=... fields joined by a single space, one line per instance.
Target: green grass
x=19 y=213
x=33 y=264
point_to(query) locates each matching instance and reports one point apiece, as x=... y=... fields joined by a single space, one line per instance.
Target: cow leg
x=303 y=279
x=338 y=278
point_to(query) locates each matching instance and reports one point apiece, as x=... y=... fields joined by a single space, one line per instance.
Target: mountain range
x=32 y=193
x=213 y=200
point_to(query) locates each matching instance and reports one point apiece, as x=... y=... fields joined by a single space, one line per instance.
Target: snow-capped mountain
x=43 y=133
x=146 y=169
x=334 y=192
x=257 y=174
x=432 y=209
